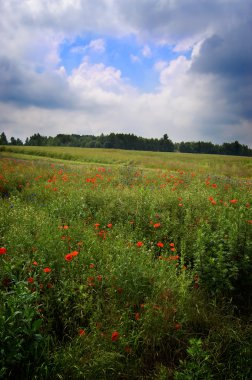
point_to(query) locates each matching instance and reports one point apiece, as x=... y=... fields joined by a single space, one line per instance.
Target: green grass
x=137 y=267
x=232 y=166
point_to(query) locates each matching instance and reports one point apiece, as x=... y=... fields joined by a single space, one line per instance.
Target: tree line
x=130 y=142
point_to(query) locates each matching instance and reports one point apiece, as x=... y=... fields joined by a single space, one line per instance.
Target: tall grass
x=119 y=272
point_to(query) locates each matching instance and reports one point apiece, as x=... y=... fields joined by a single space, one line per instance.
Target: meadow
x=124 y=265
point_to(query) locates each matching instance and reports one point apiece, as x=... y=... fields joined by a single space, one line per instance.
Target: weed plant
x=120 y=272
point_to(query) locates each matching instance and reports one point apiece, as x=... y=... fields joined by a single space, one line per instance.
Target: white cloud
x=97 y=45
x=135 y=58
x=146 y=51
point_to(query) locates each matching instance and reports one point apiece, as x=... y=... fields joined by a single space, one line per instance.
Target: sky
x=147 y=67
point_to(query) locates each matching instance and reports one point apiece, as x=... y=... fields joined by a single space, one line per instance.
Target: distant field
x=209 y=164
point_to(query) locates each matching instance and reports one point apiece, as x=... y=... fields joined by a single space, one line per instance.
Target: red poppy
x=3 y=251
x=156 y=225
x=137 y=316
x=68 y=257
x=30 y=280
x=109 y=225
x=91 y=266
x=160 y=244
x=97 y=225
x=171 y=244
x=115 y=336
x=74 y=253
x=82 y=332
x=173 y=257
x=177 y=326
x=35 y=263
x=139 y=244
x=47 y=270
x=234 y=201
x=99 y=277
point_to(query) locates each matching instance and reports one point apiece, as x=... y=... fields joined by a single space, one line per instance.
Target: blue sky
x=134 y=59
x=147 y=67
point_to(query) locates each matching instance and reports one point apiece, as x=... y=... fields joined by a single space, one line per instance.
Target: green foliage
x=123 y=272
x=198 y=365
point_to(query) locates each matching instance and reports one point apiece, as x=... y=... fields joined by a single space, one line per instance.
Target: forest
x=130 y=142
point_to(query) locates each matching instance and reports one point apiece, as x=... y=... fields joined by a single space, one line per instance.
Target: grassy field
x=124 y=265
x=206 y=163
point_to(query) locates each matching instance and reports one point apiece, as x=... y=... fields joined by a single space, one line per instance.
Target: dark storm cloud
x=229 y=59
x=24 y=87
x=176 y=19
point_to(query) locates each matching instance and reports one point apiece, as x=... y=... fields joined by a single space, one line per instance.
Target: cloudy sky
x=148 y=67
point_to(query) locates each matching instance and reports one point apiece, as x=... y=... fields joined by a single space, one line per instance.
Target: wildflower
x=90 y=281
x=180 y=204
x=234 y=201
x=109 y=225
x=160 y=244
x=82 y=332
x=139 y=244
x=115 y=336
x=74 y=253
x=97 y=225
x=171 y=245
x=177 y=326
x=3 y=251
x=156 y=225
x=214 y=185
x=35 y=263
x=137 y=316
x=68 y=257
x=102 y=234
x=173 y=249
x=91 y=266
x=99 y=277
x=47 y=270
x=173 y=257
x=30 y=280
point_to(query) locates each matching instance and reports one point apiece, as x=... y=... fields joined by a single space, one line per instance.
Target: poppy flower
x=115 y=336
x=47 y=270
x=137 y=316
x=156 y=225
x=68 y=257
x=30 y=280
x=139 y=244
x=234 y=201
x=91 y=266
x=35 y=263
x=74 y=253
x=99 y=277
x=160 y=244
x=177 y=326
x=82 y=332
x=3 y=251
x=109 y=225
